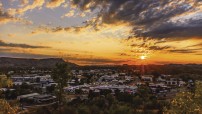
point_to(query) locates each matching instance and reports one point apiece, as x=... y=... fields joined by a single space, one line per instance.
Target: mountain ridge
x=9 y=62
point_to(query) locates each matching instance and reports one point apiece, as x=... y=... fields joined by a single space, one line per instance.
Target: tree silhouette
x=61 y=74
x=6 y=108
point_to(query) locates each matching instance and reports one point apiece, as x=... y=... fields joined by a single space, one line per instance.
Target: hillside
x=6 y=62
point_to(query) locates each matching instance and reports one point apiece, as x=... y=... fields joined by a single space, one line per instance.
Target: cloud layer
x=6 y=17
x=150 y=18
x=4 y=44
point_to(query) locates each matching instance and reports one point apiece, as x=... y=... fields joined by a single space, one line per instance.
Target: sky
x=103 y=32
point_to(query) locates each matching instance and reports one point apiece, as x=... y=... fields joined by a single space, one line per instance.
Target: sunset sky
x=99 y=32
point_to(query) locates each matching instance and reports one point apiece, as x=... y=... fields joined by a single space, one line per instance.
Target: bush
x=121 y=109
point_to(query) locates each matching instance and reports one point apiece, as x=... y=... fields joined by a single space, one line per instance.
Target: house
x=36 y=99
x=172 y=82
x=147 y=78
x=181 y=83
x=26 y=96
x=44 y=99
x=106 y=78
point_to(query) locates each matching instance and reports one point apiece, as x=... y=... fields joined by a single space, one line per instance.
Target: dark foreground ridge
x=6 y=62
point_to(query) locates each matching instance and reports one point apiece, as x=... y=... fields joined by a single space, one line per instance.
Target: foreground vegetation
x=141 y=103
x=6 y=108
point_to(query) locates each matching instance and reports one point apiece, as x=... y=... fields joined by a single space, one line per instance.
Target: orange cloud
x=35 y=4
x=54 y=3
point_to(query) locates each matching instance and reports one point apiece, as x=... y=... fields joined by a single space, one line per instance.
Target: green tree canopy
x=61 y=74
x=5 y=107
x=188 y=102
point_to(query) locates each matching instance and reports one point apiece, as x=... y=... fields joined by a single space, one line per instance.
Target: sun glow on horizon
x=143 y=57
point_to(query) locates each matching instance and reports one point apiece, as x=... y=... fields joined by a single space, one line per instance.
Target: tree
x=6 y=108
x=121 y=109
x=50 y=89
x=5 y=82
x=188 y=102
x=61 y=74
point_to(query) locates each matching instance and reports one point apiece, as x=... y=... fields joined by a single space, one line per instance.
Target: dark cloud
x=182 y=51
x=4 y=44
x=138 y=51
x=4 y=50
x=185 y=50
x=193 y=28
x=5 y=17
x=198 y=54
x=144 y=44
x=48 y=29
x=150 y=18
x=124 y=54
x=196 y=45
x=24 y=55
x=150 y=46
x=159 y=42
x=159 y=47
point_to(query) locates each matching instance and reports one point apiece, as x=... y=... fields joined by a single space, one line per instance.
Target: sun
x=142 y=57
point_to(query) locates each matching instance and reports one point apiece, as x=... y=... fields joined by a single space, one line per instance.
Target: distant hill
x=6 y=62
